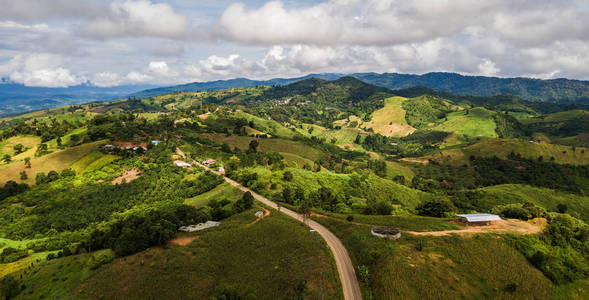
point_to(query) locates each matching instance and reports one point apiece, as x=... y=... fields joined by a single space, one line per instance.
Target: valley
x=93 y=195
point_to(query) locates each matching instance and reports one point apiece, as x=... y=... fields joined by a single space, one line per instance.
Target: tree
x=253 y=146
x=287 y=176
x=226 y=148
x=434 y=208
x=287 y=195
x=27 y=162
x=23 y=175
x=7 y=158
x=9 y=287
x=58 y=141
x=305 y=211
x=41 y=150
x=246 y=202
x=18 y=149
x=562 y=208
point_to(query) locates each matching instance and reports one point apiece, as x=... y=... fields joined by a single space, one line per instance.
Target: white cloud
x=488 y=68
x=15 y=25
x=39 y=70
x=45 y=9
x=168 y=49
x=137 y=18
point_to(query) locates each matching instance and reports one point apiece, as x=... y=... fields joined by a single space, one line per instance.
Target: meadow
x=275 y=258
x=448 y=267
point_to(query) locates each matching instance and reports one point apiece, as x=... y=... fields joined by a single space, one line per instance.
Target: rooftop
x=480 y=217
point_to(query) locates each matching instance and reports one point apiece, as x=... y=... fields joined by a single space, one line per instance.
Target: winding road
x=345 y=268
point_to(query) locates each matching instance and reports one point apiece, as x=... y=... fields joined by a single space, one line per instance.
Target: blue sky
x=114 y=42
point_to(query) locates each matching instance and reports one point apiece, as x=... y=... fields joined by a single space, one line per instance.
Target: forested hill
x=557 y=90
x=226 y=84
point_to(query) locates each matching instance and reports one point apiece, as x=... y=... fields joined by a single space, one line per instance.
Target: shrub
x=435 y=208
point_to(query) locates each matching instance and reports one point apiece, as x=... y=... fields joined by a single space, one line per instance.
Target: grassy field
x=578 y=206
x=57 y=161
x=398 y=169
x=344 y=137
x=266 y=260
x=450 y=267
x=267 y=126
x=478 y=122
x=224 y=190
x=269 y=145
x=503 y=147
x=28 y=141
x=390 y=120
x=412 y=223
x=376 y=188
x=56 y=279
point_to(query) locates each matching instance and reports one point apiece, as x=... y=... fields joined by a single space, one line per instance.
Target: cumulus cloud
x=137 y=18
x=39 y=70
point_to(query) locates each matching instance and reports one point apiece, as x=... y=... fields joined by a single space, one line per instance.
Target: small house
x=221 y=170
x=209 y=162
x=479 y=219
x=156 y=142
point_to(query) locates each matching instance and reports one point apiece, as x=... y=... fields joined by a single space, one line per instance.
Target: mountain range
x=17 y=98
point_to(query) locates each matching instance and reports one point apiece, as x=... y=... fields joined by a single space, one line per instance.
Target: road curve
x=345 y=268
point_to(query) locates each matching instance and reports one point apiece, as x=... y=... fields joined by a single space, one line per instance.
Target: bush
x=11 y=254
x=435 y=208
x=9 y=287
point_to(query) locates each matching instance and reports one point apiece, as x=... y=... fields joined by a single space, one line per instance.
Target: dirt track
x=534 y=226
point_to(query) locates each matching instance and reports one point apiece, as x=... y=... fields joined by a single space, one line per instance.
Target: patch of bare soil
x=534 y=226
x=204 y=116
x=416 y=160
x=183 y=241
x=128 y=176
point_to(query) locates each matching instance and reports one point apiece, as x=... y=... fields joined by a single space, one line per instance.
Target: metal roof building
x=480 y=218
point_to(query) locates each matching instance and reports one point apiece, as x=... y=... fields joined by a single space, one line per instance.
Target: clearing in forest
x=390 y=120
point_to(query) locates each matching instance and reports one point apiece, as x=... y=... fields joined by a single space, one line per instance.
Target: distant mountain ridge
x=556 y=90
x=17 y=98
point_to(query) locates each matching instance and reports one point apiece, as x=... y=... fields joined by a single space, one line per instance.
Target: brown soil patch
x=204 y=116
x=535 y=226
x=416 y=160
x=183 y=241
x=128 y=176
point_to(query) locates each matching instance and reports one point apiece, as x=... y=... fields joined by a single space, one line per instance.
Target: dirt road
x=345 y=268
x=535 y=226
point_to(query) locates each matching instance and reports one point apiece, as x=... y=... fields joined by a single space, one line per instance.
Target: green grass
x=390 y=120
x=411 y=223
x=224 y=190
x=57 y=161
x=30 y=143
x=478 y=122
x=269 y=145
x=578 y=206
x=266 y=259
x=267 y=126
x=448 y=267
x=501 y=148
x=56 y=279
x=81 y=165
x=376 y=188
x=101 y=162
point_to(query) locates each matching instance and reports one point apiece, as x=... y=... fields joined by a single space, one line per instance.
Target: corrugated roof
x=480 y=217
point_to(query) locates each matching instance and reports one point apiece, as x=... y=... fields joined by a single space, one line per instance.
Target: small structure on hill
x=209 y=162
x=199 y=226
x=479 y=219
x=221 y=170
x=259 y=214
x=181 y=164
x=386 y=232
x=156 y=142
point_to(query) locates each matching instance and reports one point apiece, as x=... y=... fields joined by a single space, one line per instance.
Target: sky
x=60 y=43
